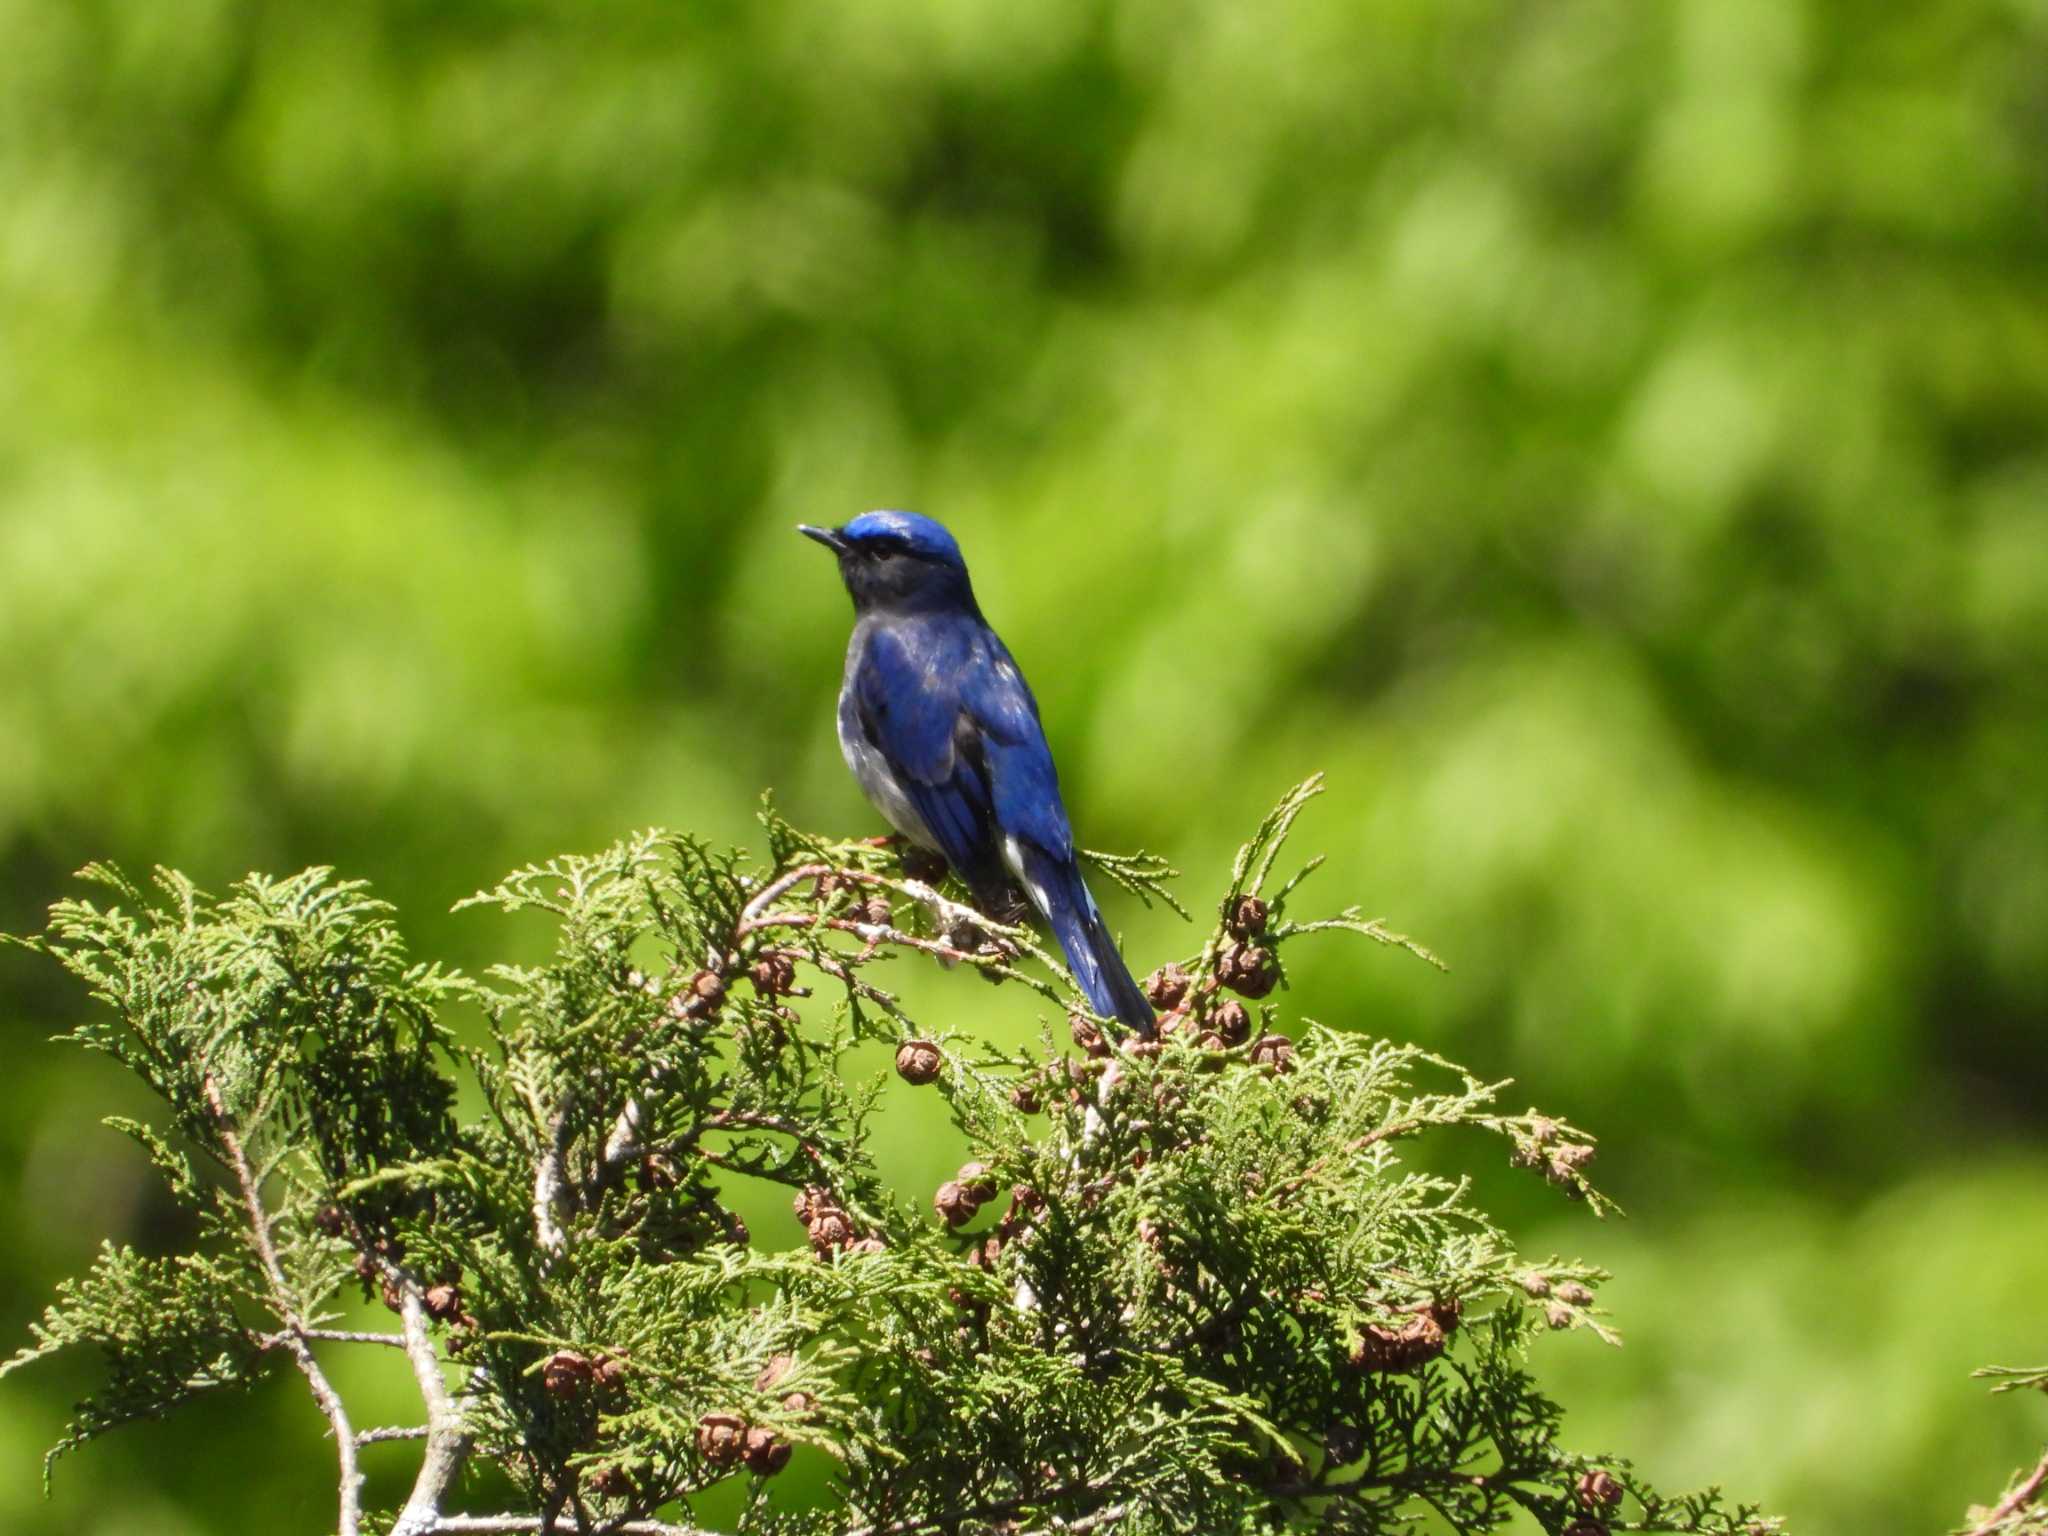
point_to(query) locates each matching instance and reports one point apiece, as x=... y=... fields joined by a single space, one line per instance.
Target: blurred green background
x=1606 y=435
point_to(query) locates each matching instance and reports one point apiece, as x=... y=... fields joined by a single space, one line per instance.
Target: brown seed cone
x=331 y=1220
x=1557 y=1315
x=767 y=1453
x=443 y=1302
x=1245 y=916
x=1424 y=1338
x=1395 y=1349
x=1275 y=1051
x=1573 y=1294
x=610 y=1372
x=955 y=1203
x=981 y=1184
x=564 y=1373
x=918 y=1061
x=701 y=998
x=1165 y=987
x=1087 y=1034
x=1248 y=970
x=829 y=1230
x=877 y=911
x=1232 y=1021
x=610 y=1481
x=777 y=1368
x=773 y=974
x=1025 y=1100
x=1598 y=1489
x=721 y=1438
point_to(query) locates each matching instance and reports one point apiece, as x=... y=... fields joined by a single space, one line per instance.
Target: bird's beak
x=829 y=537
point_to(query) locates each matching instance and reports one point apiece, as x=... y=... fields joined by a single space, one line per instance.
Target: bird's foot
x=922 y=864
x=972 y=939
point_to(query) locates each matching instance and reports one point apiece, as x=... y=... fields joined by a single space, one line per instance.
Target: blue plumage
x=942 y=732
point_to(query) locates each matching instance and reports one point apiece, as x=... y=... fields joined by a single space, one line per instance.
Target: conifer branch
x=448 y=1440
x=350 y=1336
x=1220 y=1297
x=550 y=1183
x=2009 y=1508
x=2021 y=1512
x=295 y=1336
x=1086 y=1496
x=517 y=1525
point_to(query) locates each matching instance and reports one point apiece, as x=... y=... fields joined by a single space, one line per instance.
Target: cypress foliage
x=1187 y=1285
x=2023 y=1508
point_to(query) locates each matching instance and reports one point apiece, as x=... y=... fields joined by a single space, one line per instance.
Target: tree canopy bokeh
x=1607 y=438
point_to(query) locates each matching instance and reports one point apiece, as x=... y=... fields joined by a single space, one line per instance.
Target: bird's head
x=897 y=562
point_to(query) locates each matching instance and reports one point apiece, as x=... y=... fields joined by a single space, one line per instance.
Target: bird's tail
x=1061 y=896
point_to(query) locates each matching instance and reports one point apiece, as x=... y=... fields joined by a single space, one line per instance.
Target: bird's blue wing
x=1024 y=787
x=907 y=696
x=1038 y=840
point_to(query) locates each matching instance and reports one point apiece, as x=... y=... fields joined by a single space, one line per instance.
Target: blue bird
x=938 y=726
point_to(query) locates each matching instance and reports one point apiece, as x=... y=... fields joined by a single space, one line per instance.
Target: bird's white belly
x=878 y=782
